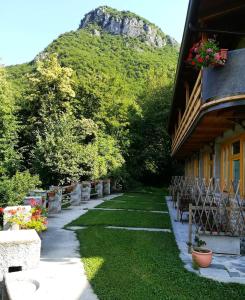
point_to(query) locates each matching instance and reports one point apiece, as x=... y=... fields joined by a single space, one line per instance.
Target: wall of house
x=223 y=159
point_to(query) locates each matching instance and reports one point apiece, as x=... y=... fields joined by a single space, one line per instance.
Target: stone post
x=38 y=200
x=99 y=188
x=76 y=194
x=54 y=201
x=107 y=186
x=20 y=249
x=85 y=190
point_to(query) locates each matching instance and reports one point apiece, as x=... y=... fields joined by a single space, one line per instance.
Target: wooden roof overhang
x=222 y=17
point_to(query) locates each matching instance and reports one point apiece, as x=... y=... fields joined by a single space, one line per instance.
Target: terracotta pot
x=69 y=189
x=51 y=194
x=202 y=257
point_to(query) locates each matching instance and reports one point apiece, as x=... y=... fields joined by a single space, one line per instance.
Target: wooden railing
x=191 y=112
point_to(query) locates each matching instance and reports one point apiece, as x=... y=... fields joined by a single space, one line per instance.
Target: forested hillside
x=93 y=104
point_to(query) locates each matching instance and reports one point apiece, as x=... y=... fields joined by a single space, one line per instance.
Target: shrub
x=14 y=189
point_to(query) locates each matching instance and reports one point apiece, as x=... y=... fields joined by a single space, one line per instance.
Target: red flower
x=200 y=59
x=1 y=210
x=193 y=63
x=33 y=202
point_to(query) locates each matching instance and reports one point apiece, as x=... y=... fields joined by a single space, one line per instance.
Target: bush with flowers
x=206 y=53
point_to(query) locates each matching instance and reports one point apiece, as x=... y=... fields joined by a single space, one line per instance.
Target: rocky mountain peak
x=128 y=24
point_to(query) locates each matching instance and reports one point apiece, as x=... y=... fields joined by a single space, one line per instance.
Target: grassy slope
x=132 y=265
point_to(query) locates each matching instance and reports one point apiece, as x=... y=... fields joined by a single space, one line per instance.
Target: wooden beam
x=220 y=11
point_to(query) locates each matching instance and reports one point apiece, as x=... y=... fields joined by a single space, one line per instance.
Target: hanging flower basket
x=207 y=53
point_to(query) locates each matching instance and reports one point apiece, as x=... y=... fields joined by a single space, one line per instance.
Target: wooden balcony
x=192 y=111
x=216 y=104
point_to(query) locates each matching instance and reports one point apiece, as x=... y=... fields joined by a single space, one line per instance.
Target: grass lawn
x=133 y=204
x=123 y=218
x=123 y=264
x=133 y=265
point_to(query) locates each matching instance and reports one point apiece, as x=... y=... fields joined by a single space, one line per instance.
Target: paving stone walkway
x=224 y=268
x=61 y=273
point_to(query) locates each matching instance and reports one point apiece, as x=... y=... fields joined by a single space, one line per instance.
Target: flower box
x=207 y=53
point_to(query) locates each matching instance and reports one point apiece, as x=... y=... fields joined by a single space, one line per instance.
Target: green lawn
x=150 y=199
x=132 y=203
x=133 y=265
x=123 y=218
x=122 y=264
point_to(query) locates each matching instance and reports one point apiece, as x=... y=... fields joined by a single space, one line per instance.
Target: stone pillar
x=54 y=201
x=19 y=249
x=36 y=193
x=85 y=190
x=107 y=186
x=38 y=200
x=76 y=195
x=99 y=188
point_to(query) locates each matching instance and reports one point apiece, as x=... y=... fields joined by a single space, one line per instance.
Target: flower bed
x=34 y=218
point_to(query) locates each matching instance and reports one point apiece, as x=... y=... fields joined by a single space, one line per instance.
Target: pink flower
x=33 y=202
x=209 y=50
x=207 y=57
x=217 y=56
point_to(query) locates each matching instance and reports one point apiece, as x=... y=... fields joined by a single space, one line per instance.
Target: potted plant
x=207 y=53
x=51 y=194
x=200 y=255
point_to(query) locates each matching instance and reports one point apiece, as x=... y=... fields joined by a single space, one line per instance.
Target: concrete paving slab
x=221 y=275
x=223 y=267
x=74 y=228
x=140 y=228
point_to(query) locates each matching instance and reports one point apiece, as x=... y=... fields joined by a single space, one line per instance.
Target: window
x=232 y=161
x=236 y=148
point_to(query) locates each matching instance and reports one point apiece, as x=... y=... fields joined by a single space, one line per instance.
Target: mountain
x=128 y=24
x=123 y=69
x=109 y=44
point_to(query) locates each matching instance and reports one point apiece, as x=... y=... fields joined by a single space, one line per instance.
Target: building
x=207 y=118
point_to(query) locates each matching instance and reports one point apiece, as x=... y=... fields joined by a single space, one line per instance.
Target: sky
x=28 y=26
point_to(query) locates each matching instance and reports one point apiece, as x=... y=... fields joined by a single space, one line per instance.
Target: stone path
x=61 y=273
x=224 y=268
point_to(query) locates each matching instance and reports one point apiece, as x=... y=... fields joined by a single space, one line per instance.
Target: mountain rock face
x=128 y=24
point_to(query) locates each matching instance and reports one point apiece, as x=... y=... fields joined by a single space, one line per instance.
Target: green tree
x=61 y=153
x=149 y=156
x=9 y=156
